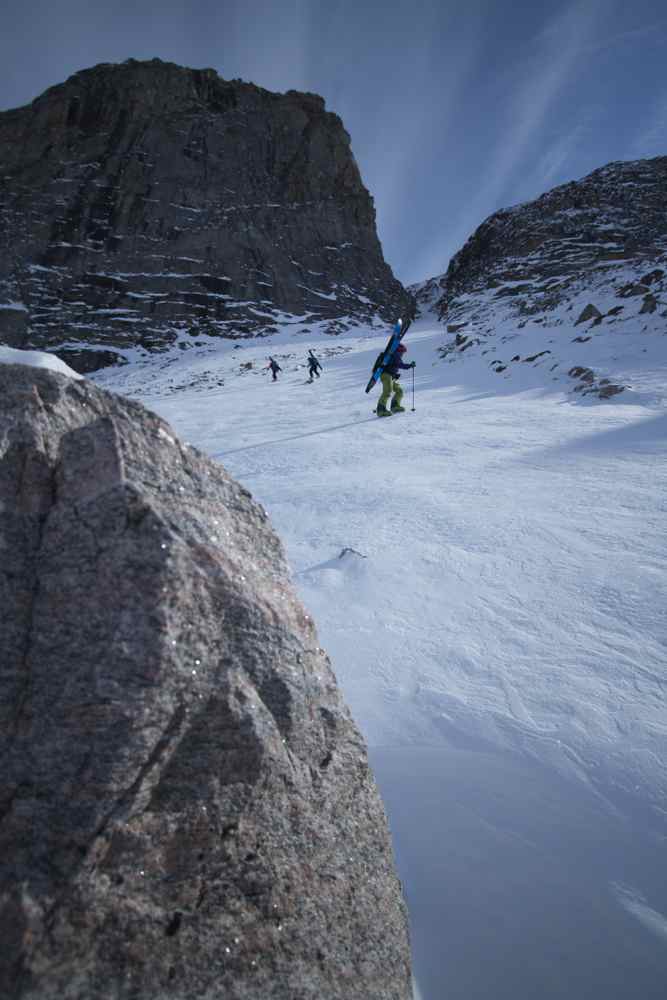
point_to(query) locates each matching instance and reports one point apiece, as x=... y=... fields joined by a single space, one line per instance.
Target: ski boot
x=397 y=408
x=382 y=411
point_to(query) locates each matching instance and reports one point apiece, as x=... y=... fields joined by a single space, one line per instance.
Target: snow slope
x=488 y=574
x=599 y=333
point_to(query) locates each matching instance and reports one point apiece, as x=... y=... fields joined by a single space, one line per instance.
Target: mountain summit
x=144 y=203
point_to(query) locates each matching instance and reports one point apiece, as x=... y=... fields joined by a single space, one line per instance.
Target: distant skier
x=390 y=383
x=275 y=368
x=313 y=366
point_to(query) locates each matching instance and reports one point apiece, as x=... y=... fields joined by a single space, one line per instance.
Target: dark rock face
x=426 y=294
x=536 y=251
x=144 y=202
x=186 y=808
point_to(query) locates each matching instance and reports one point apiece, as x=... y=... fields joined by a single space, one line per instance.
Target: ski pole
x=413 y=390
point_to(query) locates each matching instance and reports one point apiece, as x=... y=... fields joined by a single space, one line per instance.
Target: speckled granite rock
x=142 y=203
x=186 y=808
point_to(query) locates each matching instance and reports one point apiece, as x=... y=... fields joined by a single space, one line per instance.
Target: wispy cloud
x=550 y=70
x=552 y=161
x=415 y=105
x=412 y=130
x=650 y=31
x=562 y=149
x=529 y=94
x=651 y=139
x=267 y=43
x=635 y=903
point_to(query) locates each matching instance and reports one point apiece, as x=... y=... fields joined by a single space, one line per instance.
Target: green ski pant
x=389 y=385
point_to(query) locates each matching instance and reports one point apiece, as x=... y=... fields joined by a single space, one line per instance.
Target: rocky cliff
x=186 y=808
x=144 y=203
x=588 y=259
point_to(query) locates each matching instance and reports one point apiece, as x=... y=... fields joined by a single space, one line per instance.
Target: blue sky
x=455 y=109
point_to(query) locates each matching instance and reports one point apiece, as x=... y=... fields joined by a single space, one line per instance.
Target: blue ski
x=399 y=331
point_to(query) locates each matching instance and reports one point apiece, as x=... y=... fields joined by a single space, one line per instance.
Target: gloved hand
x=412 y=364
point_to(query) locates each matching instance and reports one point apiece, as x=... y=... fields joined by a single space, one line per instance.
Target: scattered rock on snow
x=587 y=384
x=649 y=305
x=534 y=357
x=610 y=390
x=584 y=374
x=590 y=312
x=656 y=275
x=632 y=289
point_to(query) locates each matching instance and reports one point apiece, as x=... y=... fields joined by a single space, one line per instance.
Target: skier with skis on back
x=275 y=368
x=313 y=365
x=390 y=383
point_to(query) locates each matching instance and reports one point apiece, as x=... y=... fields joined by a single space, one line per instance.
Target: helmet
x=401 y=348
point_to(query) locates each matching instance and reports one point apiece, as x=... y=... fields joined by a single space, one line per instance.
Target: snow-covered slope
x=605 y=337
x=488 y=574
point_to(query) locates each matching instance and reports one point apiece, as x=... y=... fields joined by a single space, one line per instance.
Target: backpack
x=378 y=361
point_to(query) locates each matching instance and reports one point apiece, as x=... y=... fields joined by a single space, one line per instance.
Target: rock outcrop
x=592 y=251
x=144 y=203
x=186 y=808
x=534 y=252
